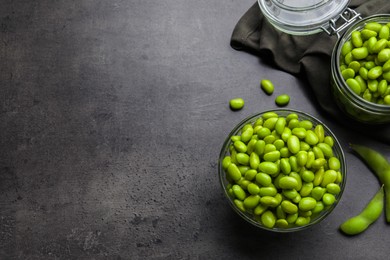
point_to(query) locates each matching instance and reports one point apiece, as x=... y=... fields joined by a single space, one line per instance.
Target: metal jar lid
x=300 y=17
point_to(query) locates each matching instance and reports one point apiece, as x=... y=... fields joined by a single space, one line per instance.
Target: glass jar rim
x=301 y=17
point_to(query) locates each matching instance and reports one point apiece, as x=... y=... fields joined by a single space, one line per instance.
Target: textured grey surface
x=112 y=116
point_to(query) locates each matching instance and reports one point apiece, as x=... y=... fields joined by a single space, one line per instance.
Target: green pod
x=366 y=217
x=381 y=168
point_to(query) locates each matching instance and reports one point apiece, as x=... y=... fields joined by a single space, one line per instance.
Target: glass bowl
x=243 y=181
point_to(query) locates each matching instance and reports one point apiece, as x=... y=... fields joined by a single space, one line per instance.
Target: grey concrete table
x=112 y=118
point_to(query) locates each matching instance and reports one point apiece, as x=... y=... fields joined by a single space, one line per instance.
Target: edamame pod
x=369 y=215
x=381 y=168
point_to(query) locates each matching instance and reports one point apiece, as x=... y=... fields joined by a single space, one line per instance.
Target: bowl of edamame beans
x=361 y=70
x=282 y=170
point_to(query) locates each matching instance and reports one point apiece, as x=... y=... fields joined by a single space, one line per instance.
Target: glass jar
x=349 y=102
x=335 y=18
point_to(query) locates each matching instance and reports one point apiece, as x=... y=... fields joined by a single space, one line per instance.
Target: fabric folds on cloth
x=308 y=57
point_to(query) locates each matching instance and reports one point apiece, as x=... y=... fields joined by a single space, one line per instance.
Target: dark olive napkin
x=307 y=57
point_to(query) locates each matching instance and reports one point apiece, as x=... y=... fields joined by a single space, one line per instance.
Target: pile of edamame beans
x=281 y=171
x=365 y=62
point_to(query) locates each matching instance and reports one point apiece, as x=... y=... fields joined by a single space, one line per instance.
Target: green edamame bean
x=251 y=201
x=279 y=144
x=374 y=73
x=347 y=48
x=268 y=191
x=280 y=125
x=367 y=34
x=282 y=100
x=328 y=199
x=242 y=158
x=239 y=204
x=240 y=146
x=293 y=144
x=290 y=194
x=238 y=192
x=373 y=26
x=299 y=132
x=333 y=188
x=356 y=39
x=307 y=176
x=307 y=203
x=260 y=209
x=360 y=53
x=250 y=175
x=318 y=192
x=384 y=32
x=269 y=168
x=301 y=158
x=267 y=86
x=236 y=103
x=269 y=201
x=319 y=174
x=253 y=188
x=311 y=138
x=281 y=223
x=355 y=65
x=268 y=219
x=319 y=207
x=302 y=221
x=366 y=217
x=326 y=149
x=272 y=156
x=254 y=160
x=384 y=55
x=306 y=189
x=226 y=162
x=320 y=132
x=289 y=207
x=287 y=182
x=363 y=72
x=330 y=176
x=247 y=134
x=263 y=179
x=381 y=168
x=334 y=163
x=354 y=85
x=306 y=124
x=233 y=172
